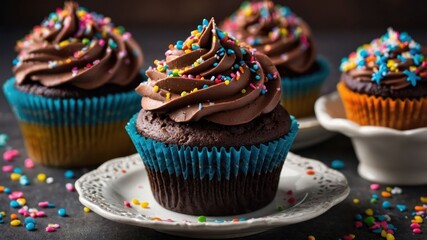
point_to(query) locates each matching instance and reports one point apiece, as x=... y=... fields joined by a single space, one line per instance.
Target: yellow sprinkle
x=181 y=72
x=202 y=78
x=390 y=236
x=311 y=237
x=194 y=32
x=195 y=90
x=63 y=43
x=423 y=199
x=41 y=177
x=21 y=201
x=248 y=12
x=184 y=93
x=15 y=222
x=369 y=212
x=198 y=35
x=3 y=213
x=156 y=88
x=413 y=68
x=145 y=204
x=214 y=39
x=243 y=91
x=356 y=201
x=160 y=68
x=418 y=219
x=15 y=176
x=187 y=51
x=86 y=209
x=388 y=189
x=227 y=82
x=68 y=60
x=196 y=64
x=168 y=96
x=284 y=32
x=156 y=219
x=135 y=201
x=383 y=233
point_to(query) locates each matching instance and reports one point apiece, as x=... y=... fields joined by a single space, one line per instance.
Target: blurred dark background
x=320 y=14
x=338 y=26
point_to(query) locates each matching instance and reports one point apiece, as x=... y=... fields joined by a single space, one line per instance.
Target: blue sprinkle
x=377 y=76
x=361 y=63
x=200 y=106
x=205 y=22
x=378 y=230
x=242 y=219
x=236 y=66
x=24 y=181
x=200 y=28
x=62 y=212
x=69 y=174
x=194 y=47
x=14 y=204
x=401 y=207
x=257 y=77
x=401 y=58
x=220 y=34
x=404 y=37
x=269 y=76
x=7 y=190
x=242 y=63
x=337 y=164
x=215 y=64
x=255 y=67
x=221 y=54
x=230 y=51
x=243 y=51
x=51 y=205
x=412 y=77
x=205 y=86
x=386 y=204
x=252 y=70
x=345 y=59
x=16 y=61
x=219 y=221
x=380 y=217
x=363 y=53
x=391 y=226
x=30 y=220
x=17 y=170
x=263 y=91
x=30 y=226
x=375 y=196
x=112 y=43
x=418 y=59
x=358 y=217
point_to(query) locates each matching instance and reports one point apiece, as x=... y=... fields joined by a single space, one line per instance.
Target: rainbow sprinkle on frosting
x=393 y=52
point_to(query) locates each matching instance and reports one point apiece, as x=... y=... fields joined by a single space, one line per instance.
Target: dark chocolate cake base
x=239 y=195
x=69 y=91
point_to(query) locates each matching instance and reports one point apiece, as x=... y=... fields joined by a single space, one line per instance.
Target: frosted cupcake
x=285 y=38
x=384 y=83
x=211 y=132
x=73 y=88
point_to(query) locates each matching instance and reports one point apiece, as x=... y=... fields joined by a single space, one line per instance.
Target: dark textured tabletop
x=334 y=224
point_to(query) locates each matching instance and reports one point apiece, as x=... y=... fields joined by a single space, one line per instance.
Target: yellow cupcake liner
x=301 y=105
x=400 y=114
x=76 y=146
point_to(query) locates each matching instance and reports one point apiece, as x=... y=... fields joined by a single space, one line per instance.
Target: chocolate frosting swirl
x=210 y=76
x=276 y=32
x=73 y=46
x=393 y=62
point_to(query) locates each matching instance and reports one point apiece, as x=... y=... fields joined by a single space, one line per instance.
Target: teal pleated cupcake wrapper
x=32 y=108
x=215 y=163
x=297 y=86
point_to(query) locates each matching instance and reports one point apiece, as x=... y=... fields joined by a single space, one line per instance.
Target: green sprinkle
x=280 y=208
x=201 y=219
x=3 y=139
x=369 y=221
x=85 y=41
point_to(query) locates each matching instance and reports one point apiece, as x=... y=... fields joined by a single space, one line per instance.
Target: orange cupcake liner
x=76 y=146
x=400 y=114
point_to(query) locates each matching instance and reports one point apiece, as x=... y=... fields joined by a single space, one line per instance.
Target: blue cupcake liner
x=297 y=86
x=31 y=108
x=215 y=163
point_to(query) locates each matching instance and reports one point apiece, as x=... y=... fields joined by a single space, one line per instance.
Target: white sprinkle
x=49 y=180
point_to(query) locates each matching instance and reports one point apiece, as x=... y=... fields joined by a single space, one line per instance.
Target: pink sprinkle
x=53 y=225
x=415 y=225
x=417 y=230
x=50 y=229
x=40 y=214
x=127 y=204
x=126 y=36
x=290 y=192
x=252 y=86
x=69 y=187
x=390 y=231
x=16 y=195
x=101 y=42
x=291 y=200
x=9 y=155
x=375 y=186
x=7 y=168
x=28 y=163
x=358 y=224
x=43 y=204
x=33 y=215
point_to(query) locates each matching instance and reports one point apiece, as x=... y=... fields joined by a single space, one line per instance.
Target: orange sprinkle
x=419 y=208
x=385 y=194
x=170 y=46
x=13 y=216
x=1 y=189
x=241 y=69
x=310 y=172
x=235 y=220
x=156 y=219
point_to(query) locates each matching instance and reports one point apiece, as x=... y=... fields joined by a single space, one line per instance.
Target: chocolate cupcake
x=73 y=88
x=211 y=132
x=384 y=83
x=285 y=38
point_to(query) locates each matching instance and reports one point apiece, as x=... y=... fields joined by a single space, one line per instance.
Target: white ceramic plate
x=310 y=133
x=386 y=155
x=105 y=189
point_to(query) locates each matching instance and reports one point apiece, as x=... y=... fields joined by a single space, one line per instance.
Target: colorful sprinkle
x=337 y=164
x=201 y=219
x=62 y=212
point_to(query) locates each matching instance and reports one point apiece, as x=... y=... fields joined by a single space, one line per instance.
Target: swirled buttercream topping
x=275 y=31
x=77 y=47
x=210 y=76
